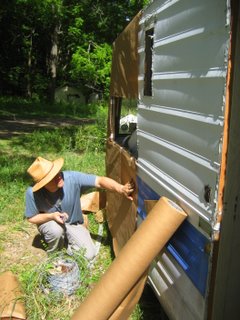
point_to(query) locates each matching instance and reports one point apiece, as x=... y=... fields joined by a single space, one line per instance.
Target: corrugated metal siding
x=180 y=126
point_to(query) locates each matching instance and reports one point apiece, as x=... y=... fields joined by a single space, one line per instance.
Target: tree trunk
x=29 y=74
x=53 y=60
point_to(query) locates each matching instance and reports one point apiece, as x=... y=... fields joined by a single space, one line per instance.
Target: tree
x=92 y=66
x=93 y=34
x=45 y=43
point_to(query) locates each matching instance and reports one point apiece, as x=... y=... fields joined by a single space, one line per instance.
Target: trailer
x=173 y=127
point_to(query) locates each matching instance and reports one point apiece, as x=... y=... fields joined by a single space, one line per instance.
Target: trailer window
x=124 y=117
x=148 y=62
x=128 y=116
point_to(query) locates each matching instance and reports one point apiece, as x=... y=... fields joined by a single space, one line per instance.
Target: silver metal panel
x=180 y=126
x=179 y=171
x=167 y=280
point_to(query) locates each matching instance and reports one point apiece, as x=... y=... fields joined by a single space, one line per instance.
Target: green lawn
x=83 y=148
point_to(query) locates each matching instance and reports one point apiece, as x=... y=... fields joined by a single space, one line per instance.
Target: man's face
x=56 y=183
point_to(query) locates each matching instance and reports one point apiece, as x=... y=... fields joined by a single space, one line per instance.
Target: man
x=53 y=203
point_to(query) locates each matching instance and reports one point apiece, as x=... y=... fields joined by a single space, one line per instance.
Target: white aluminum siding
x=180 y=126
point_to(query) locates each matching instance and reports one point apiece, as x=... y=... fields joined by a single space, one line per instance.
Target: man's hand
x=127 y=189
x=60 y=217
x=112 y=185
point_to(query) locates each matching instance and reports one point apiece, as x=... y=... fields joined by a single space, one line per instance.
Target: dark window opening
x=148 y=62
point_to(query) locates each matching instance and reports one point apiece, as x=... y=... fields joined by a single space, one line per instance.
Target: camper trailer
x=174 y=127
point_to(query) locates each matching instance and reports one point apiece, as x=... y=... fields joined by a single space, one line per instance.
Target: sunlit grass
x=83 y=149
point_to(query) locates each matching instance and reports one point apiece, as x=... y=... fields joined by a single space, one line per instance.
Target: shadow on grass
x=39 y=242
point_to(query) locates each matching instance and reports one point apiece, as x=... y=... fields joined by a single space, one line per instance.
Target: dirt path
x=12 y=126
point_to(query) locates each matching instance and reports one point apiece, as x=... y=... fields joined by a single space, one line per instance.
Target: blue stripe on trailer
x=187 y=245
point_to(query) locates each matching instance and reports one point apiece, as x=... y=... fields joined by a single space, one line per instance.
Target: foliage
x=93 y=65
x=45 y=43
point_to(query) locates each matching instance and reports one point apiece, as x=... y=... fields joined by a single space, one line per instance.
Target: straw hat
x=43 y=171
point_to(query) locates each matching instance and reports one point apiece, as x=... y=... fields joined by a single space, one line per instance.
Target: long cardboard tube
x=126 y=307
x=11 y=303
x=135 y=257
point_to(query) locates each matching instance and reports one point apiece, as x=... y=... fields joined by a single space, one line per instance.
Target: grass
x=83 y=148
x=17 y=107
x=43 y=303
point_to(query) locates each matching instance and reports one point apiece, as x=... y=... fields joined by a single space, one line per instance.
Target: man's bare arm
x=112 y=185
x=40 y=218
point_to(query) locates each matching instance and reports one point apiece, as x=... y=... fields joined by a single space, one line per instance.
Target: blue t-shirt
x=66 y=199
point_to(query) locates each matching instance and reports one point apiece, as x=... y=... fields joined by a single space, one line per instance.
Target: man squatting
x=53 y=204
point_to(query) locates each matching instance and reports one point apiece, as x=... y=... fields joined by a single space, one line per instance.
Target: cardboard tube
x=11 y=305
x=125 y=309
x=132 y=261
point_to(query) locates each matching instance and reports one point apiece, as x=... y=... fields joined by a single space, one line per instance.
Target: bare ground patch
x=20 y=247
